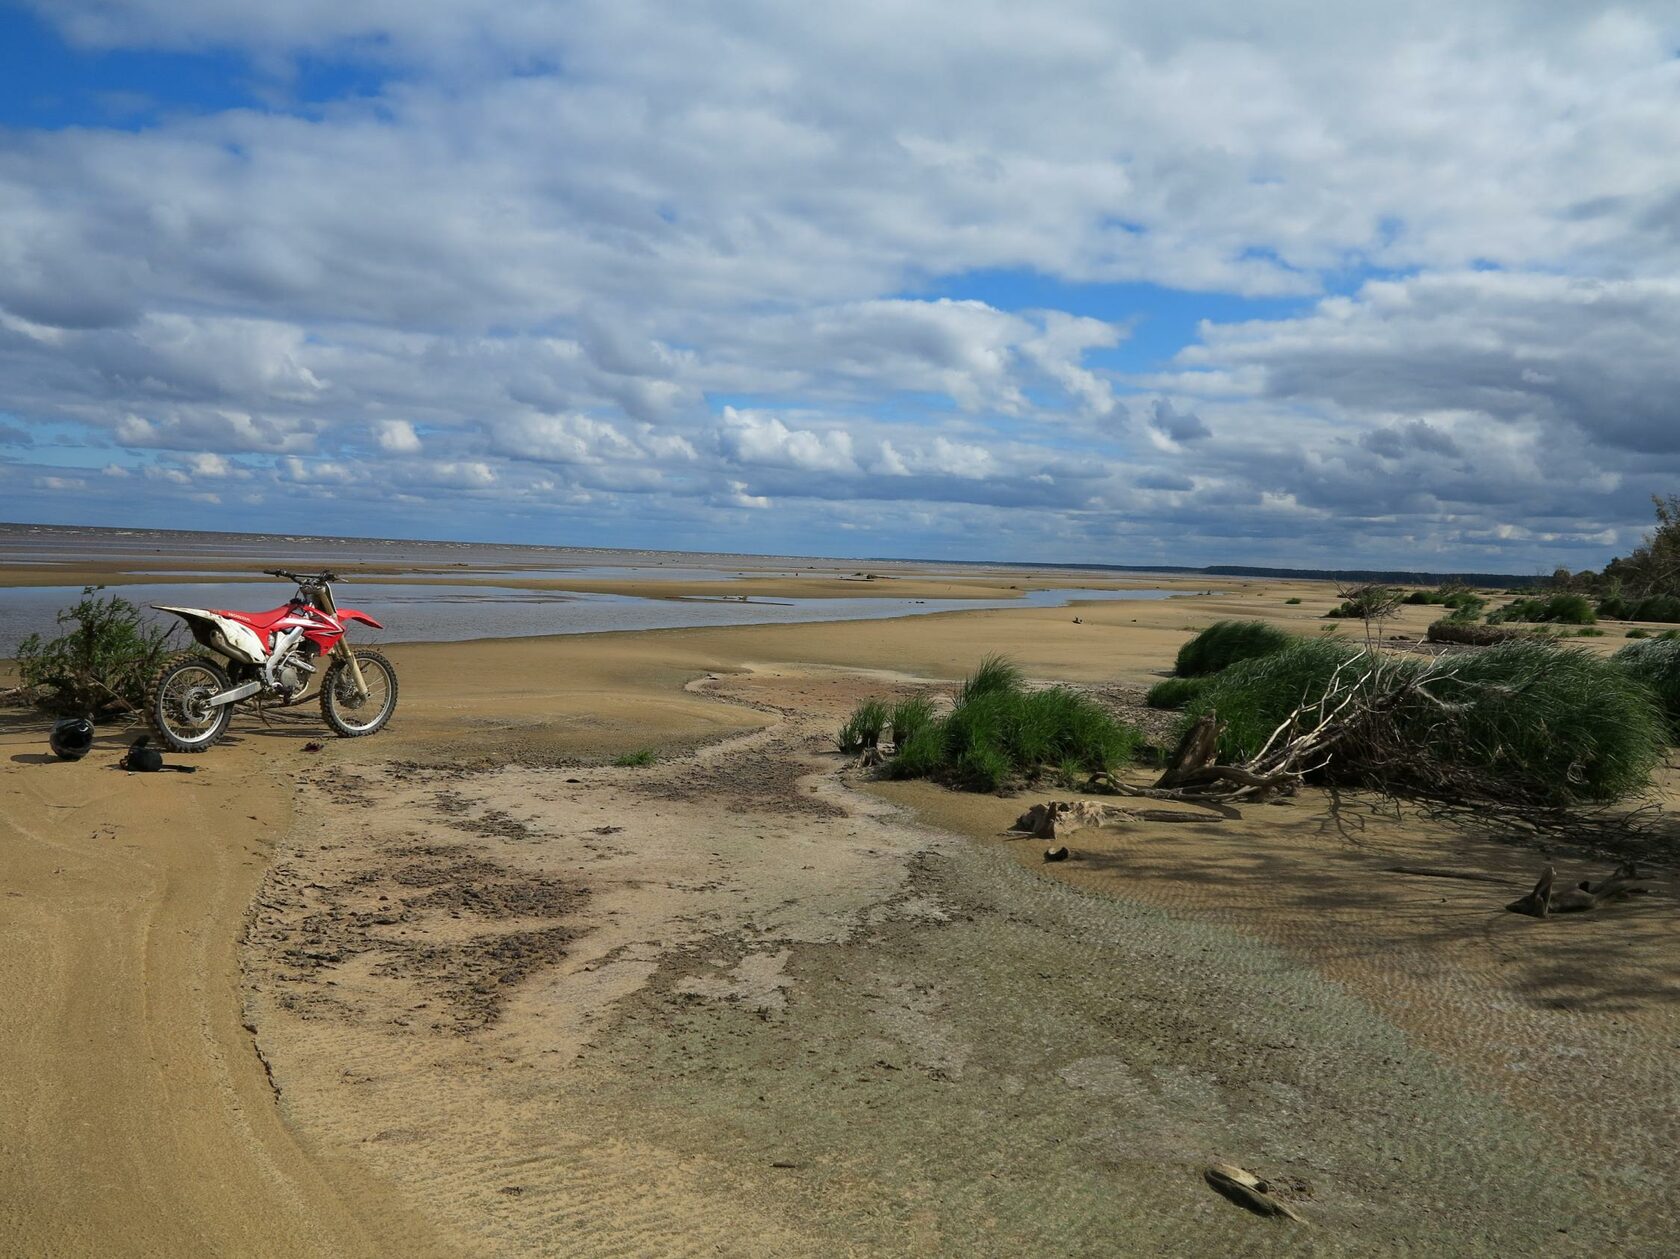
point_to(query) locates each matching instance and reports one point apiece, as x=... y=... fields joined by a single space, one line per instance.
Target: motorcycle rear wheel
x=349 y=714
x=175 y=707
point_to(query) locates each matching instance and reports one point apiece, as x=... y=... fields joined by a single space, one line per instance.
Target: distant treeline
x=1392 y=577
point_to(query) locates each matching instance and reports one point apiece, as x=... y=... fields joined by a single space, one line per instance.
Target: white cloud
x=708 y=263
x=396 y=437
x=765 y=440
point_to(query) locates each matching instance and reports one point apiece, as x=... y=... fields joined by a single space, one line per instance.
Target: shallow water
x=443 y=612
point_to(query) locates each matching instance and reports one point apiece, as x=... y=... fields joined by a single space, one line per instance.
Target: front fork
x=349 y=657
x=327 y=604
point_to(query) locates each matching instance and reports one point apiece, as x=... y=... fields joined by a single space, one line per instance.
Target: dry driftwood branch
x=1195 y=751
x=1545 y=899
x=1247 y=1190
x=1436 y=872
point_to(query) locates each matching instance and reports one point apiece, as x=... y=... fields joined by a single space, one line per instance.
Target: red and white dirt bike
x=272 y=657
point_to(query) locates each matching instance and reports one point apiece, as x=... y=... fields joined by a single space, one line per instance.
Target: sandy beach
x=469 y=988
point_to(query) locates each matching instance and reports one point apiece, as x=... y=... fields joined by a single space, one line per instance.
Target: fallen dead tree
x=1522 y=730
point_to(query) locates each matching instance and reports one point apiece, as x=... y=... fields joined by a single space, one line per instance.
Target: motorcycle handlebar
x=302 y=579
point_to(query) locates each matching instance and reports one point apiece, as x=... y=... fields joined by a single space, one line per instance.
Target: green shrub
x=1225 y=642
x=104 y=664
x=1589 y=633
x=1537 y=722
x=1638 y=633
x=636 y=760
x=1655 y=663
x=1561 y=609
x=908 y=716
x=1293 y=600
x=1650 y=608
x=1174 y=692
x=1369 y=603
x=1463 y=603
x=862 y=730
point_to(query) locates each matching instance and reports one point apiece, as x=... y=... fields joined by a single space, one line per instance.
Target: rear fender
x=221 y=634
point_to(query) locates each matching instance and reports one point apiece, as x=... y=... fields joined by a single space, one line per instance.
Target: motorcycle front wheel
x=352 y=715
x=177 y=707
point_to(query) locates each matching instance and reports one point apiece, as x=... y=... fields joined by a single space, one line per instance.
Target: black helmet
x=72 y=738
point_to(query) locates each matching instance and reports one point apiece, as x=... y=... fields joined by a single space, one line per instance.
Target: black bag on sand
x=144 y=759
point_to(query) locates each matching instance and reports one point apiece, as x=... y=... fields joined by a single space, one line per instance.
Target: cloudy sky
x=1087 y=280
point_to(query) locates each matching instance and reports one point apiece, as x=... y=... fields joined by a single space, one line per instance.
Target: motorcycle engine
x=290 y=677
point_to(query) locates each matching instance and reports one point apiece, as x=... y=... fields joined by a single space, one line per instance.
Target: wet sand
x=467 y=988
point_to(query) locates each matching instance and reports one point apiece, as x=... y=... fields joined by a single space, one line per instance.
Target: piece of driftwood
x=1247 y=1190
x=1546 y=899
x=1436 y=872
x=1057 y=817
x=1194 y=753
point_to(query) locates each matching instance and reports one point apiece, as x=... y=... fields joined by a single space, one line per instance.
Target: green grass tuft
x=1226 y=642
x=908 y=716
x=995 y=675
x=1174 y=692
x=863 y=729
x=1655 y=664
x=637 y=759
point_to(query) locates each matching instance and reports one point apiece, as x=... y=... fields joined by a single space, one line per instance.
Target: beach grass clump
x=921 y=755
x=999 y=733
x=1558 y=609
x=641 y=758
x=909 y=716
x=1225 y=642
x=1293 y=600
x=1174 y=692
x=1523 y=720
x=1655 y=663
x=863 y=728
x=1554 y=723
x=995 y=675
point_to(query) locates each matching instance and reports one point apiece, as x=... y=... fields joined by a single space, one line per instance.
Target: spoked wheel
x=178 y=708
x=353 y=715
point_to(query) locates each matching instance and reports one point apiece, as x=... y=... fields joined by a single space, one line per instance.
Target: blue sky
x=1075 y=281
